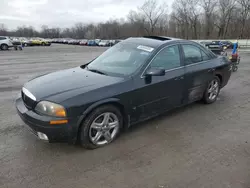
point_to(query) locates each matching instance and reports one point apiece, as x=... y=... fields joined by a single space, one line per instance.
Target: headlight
x=50 y=109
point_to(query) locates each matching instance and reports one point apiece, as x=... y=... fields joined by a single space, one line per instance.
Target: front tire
x=212 y=91
x=235 y=68
x=101 y=127
x=4 y=47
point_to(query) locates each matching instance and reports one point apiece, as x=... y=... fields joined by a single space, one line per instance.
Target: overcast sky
x=64 y=13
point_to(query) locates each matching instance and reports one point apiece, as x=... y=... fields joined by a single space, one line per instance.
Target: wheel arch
x=4 y=44
x=111 y=101
x=220 y=77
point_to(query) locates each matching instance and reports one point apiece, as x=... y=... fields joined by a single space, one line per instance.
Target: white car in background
x=104 y=43
x=5 y=43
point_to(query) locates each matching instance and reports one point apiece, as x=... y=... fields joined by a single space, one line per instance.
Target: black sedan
x=137 y=79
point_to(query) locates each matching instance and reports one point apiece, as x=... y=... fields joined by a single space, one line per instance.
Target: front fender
x=89 y=109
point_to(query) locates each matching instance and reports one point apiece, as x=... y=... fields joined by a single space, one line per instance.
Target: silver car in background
x=5 y=43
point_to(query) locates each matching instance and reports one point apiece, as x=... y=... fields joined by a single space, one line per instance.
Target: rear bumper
x=38 y=123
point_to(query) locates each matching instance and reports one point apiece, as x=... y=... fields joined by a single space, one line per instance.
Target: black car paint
x=196 y=74
x=80 y=91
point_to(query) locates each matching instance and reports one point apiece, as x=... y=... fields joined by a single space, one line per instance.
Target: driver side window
x=167 y=58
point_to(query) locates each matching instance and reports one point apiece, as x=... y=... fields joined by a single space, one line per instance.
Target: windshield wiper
x=96 y=71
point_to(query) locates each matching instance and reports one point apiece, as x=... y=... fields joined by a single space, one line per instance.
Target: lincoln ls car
x=135 y=80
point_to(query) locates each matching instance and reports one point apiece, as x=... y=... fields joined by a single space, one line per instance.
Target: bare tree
x=3 y=29
x=189 y=19
x=163 y=25
x=244 y=13
x=139 y=23
x=80 y=30
x=193 y=16
x=224 y=12
x=209 y=8
x=152 y=12
x=180 y=14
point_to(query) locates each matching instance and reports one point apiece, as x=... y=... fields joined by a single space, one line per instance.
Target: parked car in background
x=25 y=41
x=66 y=41
x=104 y=43
x=5 y=43
x=215 y=46
x=204 y=43
x=97 y=41
x=116 y=41
x=76 y=42
x=39 y=42
x=92 y=43
x=15 y=41
x=223 y=44
x=83 y=42
x=133 y=81
x=228 y=44
x=71 y=41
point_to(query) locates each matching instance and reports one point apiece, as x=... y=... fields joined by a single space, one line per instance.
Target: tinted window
x=192 y=54
x=204 y=56
x=2 y=38
x=168 y=58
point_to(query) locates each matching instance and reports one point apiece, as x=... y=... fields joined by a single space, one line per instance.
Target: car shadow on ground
x=163 y=117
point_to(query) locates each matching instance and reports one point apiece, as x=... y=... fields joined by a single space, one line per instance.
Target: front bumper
x=38 y=123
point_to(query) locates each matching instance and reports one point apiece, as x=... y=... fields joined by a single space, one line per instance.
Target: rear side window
x=204 y=56
x=192 y=54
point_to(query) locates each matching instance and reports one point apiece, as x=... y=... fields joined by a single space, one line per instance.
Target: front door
x=161 y=93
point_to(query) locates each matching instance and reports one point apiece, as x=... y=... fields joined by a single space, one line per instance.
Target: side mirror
x=155 y=72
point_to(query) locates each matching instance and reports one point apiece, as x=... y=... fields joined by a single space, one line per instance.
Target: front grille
x=28 y=102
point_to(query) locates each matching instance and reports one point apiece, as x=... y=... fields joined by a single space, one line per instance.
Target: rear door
x=198 y=71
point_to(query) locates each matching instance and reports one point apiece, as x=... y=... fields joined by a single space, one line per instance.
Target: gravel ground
x=197 y=146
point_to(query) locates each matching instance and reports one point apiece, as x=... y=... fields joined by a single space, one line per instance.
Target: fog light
x=42 y=136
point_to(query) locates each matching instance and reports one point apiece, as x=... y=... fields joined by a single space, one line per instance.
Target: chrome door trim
x=198 y=63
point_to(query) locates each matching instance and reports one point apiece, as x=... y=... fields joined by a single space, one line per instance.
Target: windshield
x=122 y=59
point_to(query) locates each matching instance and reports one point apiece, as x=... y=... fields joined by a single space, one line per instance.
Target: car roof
x=152 y=41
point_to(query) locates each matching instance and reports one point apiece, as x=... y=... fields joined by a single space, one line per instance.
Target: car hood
x=68 y=83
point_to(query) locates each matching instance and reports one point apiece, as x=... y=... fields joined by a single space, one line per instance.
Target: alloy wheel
x=213 y=89
x=4 y=47
x=104 y=128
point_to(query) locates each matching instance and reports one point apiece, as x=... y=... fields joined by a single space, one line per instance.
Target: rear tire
x=235 y=68
x=212 y=91
x=4 y=47
x=95 y=126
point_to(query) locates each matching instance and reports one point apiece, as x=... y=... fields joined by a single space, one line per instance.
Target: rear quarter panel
x=223 y=69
